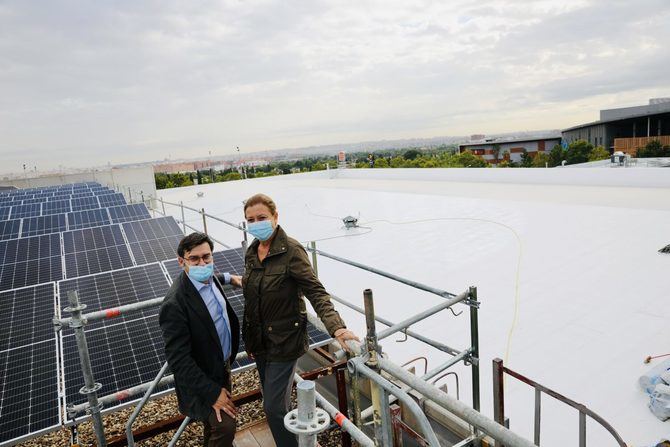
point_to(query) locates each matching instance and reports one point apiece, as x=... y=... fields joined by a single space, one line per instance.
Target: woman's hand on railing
x=342 y=335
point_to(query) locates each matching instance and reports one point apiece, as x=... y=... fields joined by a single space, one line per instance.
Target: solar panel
x=32 y=201
x=44 y=195
x=127 y=213
x=92 y=238
x=28 y=261
x=36 y=247
x=154 y=250
x=35 y=271
x=103 y=191
x=111 y=289
x=26 y=314
x=123 y=353
x=107 y=200
x=232 y=261
x=149 y=229
x=29 y=402
x=9 y=229
x=4 y=212
x=84 y=203
x=19 y=211
x=81 y=193
x=59 y=196
x=94 y=250
x=32 y=226
x=56 y=207
x=88 y=218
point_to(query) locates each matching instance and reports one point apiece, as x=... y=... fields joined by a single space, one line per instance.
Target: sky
x=86 y=83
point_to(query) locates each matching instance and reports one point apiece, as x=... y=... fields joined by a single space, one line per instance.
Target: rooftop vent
x=350 y=222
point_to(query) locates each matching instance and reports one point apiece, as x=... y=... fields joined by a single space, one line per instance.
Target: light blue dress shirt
x=216 y=305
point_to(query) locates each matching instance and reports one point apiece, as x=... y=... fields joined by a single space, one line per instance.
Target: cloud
x=132 y=81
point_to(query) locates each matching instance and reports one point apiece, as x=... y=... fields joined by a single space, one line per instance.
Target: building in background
x=626 y=129
x=495 y=150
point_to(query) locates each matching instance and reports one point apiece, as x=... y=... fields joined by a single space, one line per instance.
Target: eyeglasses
x=196 y=259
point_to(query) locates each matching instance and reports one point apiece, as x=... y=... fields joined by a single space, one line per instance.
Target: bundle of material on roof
x=656 y=383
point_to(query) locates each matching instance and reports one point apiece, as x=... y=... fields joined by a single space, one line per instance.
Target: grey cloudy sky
x=89 y=82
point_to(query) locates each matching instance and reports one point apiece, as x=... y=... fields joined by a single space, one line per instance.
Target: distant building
x=626 y=129
x=173 y=168
x=495 y=150
x=477 y=137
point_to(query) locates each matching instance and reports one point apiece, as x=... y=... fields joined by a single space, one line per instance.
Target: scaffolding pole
x=422 y=315
x=409 y=282
x=90 y=388
x=458 y=408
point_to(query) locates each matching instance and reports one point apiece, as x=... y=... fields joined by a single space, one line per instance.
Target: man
x=201 y=334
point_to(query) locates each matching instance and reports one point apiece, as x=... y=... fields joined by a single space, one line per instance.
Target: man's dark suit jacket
x=193 y=349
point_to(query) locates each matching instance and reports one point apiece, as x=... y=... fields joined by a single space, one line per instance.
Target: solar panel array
x=82 y=237
x=34 y=247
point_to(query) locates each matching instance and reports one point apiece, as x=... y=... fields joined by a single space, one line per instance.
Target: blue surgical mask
x=261 y=230
x=201 y=273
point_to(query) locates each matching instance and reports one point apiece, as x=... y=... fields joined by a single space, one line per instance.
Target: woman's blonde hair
x=260 y=199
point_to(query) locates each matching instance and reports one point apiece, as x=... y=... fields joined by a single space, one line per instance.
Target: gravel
x=164 y=408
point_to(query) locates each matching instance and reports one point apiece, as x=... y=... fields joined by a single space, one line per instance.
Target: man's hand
x=236 y=281
x=225 y=403
x=342 y=335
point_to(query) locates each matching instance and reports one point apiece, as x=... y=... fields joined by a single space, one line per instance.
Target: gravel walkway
x=164 y=408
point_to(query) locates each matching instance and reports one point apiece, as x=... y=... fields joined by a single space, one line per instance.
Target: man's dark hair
x=191 y=241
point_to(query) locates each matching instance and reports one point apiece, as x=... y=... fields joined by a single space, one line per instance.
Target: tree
x=381 y=162
x=653 y=149
x=496 y=153
x=161 y=180
x=232 y=176
x=507 y=164
x=526 y=159
x=541 y=160
x=398 y=162
x=556 y=156
x=578 y=152
x=411 y=154
x=467 y=159
x=599 y=153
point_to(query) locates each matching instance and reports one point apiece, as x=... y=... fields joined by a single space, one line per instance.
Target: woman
x=277 y=274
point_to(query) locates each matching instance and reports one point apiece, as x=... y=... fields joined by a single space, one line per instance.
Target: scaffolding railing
x=370 y=363
x=499 y=405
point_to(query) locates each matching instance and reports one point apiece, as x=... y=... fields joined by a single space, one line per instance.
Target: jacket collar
x=278 y=245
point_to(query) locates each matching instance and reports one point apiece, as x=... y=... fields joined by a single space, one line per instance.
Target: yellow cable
x=515 y=317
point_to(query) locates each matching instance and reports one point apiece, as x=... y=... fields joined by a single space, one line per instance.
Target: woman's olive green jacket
x=275 y=318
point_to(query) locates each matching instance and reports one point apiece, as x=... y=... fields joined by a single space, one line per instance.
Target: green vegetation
x=579 y=151
x=653 y=149
x=599 y=153
x=440 y=157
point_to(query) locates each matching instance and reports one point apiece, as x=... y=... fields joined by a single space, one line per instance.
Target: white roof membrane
x=566 y=262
